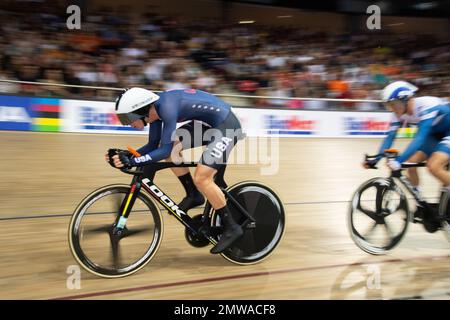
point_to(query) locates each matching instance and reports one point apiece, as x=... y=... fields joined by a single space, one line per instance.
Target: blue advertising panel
x=15 y=113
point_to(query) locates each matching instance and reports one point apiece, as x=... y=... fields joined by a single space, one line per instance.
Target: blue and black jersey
x=176 y=106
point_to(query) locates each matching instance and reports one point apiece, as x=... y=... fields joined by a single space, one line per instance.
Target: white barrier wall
x=284 y=123
x=91 y=116
x=39 y=114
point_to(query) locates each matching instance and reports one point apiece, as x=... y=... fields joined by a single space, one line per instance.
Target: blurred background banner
x=93 y=116
x=30 y=113
x=15 y=113
x=88 y=116
x=46 y=114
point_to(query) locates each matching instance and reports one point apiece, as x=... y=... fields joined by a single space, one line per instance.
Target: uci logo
x=143 y=159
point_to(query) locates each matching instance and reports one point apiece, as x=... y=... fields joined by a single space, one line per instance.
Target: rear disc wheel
x=266 y=208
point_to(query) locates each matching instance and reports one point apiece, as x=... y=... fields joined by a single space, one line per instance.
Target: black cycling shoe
x=191 y=201
x=228 y=237
x=431 y=226
x=429 y=219
x=232 y=231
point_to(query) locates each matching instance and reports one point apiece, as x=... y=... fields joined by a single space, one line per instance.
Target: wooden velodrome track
x=44 y=176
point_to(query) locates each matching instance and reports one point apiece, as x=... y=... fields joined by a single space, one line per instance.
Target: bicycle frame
x=420 y=201
x=407 y=184
x=392 y=154
x=143 y=178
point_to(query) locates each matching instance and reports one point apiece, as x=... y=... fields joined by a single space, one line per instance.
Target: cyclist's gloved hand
x=117 y=154
x=394 y=165
x=125 y=158
x=109 y=156
x=370 y=163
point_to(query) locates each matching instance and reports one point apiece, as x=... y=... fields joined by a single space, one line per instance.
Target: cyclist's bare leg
x=193 y=197
x=437 y=167
x=412 y=172
x=204 y=180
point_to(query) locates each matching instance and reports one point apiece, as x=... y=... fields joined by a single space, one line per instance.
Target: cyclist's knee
x=434 y=166
x=203 y=179
x=202 y=182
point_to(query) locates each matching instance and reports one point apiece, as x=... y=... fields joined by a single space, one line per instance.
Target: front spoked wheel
x=101 y=248
x=378 y=216
x=259 y=241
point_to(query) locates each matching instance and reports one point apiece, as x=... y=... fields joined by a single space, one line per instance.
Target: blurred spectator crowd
x=116 y=49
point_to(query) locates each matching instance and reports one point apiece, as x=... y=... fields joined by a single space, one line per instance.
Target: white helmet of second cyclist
x=132 y=104
x=398 y=90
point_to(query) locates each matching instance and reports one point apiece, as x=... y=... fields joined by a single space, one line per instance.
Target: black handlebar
x=390 y=154
x=156 y=166
x=368 y=158
x=374 y=156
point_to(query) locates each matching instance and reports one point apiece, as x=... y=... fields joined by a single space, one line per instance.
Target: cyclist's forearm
x=144 y=149
x=150 y=146
x=388 y=141
x=154 y=138
x=154 y=156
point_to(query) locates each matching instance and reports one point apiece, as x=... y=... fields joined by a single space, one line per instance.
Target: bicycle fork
x=127 y=205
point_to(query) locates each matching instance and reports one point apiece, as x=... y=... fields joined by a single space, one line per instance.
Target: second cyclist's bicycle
x=379 y=213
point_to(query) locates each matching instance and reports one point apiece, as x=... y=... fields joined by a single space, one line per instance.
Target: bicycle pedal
x=211 y=231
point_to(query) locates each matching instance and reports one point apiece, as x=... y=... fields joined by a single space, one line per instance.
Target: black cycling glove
x=372 y=163
x=124 y=157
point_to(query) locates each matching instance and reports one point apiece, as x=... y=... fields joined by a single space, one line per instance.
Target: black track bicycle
x=117 y=229
x=379 y=214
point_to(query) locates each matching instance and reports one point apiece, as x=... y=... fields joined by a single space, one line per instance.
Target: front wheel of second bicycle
x=96 y=244
x=378 y=216
x=266 y=208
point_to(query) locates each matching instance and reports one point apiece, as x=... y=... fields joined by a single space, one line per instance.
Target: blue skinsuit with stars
x=176 y=106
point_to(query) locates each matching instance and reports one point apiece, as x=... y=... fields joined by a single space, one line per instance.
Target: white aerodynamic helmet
x=398 y=90
x=133 y=104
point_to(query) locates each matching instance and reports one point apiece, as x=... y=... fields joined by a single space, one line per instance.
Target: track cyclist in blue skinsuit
x=211 y=123
x=432 y=141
